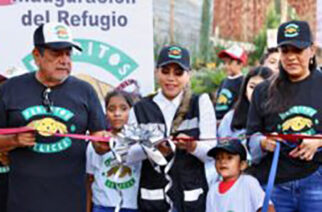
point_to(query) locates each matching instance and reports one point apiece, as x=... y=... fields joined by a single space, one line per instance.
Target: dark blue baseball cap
x=174 y=54
x=233 y=146
x=295 y=33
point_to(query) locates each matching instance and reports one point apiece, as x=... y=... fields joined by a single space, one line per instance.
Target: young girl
x=234 y=122
x=235 y=191
x=106 y=187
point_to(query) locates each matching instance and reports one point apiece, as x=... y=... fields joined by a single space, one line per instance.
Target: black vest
x=187 y=172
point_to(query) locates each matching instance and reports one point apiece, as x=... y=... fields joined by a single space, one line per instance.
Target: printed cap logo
x=291 y=30
x=61 y=32
x=175 y=53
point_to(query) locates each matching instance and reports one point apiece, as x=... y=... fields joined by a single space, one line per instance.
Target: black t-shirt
x=51 y=175
x=227 y=95
x=303 y=116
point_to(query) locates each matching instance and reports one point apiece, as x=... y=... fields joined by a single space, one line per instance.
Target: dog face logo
x=298 y=120
x=222 y=99
x=291 y=30
x=297 y=124
x=48 y=126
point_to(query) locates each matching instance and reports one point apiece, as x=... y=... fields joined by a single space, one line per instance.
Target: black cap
x=233 y=146
x=54 y=36
x=295 y=33
x=174 y=54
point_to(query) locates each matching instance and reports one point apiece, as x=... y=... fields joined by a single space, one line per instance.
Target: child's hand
x=102 y=147
x=306 y=150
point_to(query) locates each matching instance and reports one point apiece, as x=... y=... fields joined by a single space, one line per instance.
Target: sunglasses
x=47 y=102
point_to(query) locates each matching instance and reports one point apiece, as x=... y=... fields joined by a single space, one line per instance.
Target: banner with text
x=116 y=37
x=319 y=23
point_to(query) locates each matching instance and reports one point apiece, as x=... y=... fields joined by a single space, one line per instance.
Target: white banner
x=319 y=23
x=116 y=37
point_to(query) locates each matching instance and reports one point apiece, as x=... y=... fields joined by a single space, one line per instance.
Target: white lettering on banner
x=109 y=32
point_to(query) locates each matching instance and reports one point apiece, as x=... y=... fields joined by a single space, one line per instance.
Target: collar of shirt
x=168 y=107
x=235 y=77
x=163 y=102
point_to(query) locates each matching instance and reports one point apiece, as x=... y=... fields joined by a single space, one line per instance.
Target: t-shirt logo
x=291 y=30
x=47 y=124
x=118 y=177
x=4 y=169
x=298 y=119
x=224 y=100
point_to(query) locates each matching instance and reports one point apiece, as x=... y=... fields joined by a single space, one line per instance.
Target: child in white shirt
x=106 y=185
x=235 y=192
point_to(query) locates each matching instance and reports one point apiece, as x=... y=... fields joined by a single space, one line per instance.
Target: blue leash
x=271 y=178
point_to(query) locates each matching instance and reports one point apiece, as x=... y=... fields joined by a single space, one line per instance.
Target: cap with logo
x=174 y=54
x=54 y=36
x=235 y=52
x=233 y=146
x=295 y=33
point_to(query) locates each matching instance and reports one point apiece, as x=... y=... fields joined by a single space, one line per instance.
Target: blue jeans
x=98 y=208
x=303 y=195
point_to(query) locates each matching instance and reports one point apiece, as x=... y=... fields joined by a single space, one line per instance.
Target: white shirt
x=105 y=179
x=246 y=195
x=207 y=124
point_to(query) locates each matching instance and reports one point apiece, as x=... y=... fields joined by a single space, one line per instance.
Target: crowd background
x=251 y=25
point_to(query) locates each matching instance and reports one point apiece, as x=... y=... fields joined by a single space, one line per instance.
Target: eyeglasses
x=47 y=102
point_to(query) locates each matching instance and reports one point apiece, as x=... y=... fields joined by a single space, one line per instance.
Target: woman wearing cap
x=181 y=114
x=290 y=104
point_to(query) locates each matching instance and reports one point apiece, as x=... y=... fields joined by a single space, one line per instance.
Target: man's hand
x=4 y=159
x=27 y=139
x=306 y=150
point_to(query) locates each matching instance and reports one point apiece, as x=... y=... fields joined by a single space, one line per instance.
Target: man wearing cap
x=290 y=104
x=180 y=114
x=234 y=59
x=47 y=173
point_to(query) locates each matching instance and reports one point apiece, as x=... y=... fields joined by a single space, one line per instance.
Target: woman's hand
x=306 y=150
x=268 y=144
x=186 y=142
